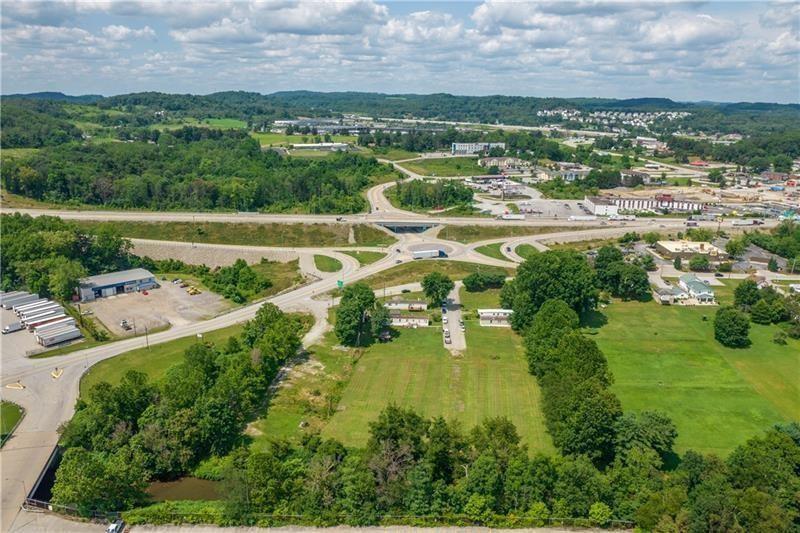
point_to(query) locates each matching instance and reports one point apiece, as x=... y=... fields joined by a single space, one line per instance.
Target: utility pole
x=146 y=338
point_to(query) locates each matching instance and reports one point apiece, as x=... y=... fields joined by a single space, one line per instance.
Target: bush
x=761 y=313
x=699 y=263
x=600 y=514
x=779 y=337
x=480 y=281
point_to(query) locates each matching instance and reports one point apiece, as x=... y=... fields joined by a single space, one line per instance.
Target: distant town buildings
x=474 y=148
x=571 y=171
x=651 y=143
x=504 y=163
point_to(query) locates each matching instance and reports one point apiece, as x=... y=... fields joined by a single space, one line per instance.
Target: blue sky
x=723 y=51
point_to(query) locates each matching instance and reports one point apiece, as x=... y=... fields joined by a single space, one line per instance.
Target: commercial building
x=406 y=305
x=403 y=319
x=503 y=163
x=495 y=317
x=601 y=207
x=571 y=171
x=661 y=202
x=688 y=249
x=632 y=178
x=696 y=288
x=474 y=148
x=125 y=281
x=651 y=143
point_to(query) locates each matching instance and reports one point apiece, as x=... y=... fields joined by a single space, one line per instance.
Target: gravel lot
x=208 y=254
x=167 y=305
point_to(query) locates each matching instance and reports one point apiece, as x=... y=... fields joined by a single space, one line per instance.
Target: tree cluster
x=192 y=168
x=480 y=281
x=360 y=317
x=125 y=435
x=34 y=124
x=48 y=256
x=622 y=279
x=429 y=194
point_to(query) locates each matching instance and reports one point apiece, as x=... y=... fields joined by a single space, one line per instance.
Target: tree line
x=34 y=124
x=124 y=436
x=757 y=153
x=192 y=168
x=431 y=194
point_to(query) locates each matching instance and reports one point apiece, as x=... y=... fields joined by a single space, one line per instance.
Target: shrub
x=600 y=514
x=731 y=327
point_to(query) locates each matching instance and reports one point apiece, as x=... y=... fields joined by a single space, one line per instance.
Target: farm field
x=416 y=270
x=251 y=234
x=414 y=370
x=717 y=397
x=446 y=166
x=469 y=234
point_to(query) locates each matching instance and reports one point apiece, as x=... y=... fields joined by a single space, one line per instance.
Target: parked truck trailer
x=19 y=300
x=55 y=324
x=59 y=337
x=41 y=302
x=39 y=311
x=512 y=216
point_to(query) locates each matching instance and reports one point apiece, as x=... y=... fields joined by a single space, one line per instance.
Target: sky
x=690 y=51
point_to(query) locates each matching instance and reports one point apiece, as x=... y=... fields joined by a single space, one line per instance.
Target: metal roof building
x=124 y=281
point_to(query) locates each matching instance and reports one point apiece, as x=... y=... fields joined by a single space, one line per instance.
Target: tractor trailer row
x=45 y=318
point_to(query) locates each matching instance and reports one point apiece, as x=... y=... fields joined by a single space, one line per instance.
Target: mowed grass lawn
x=666 y=358
x=364 y=257
x=468 y=234
x=414 y=370
x=415 y=270
x=446 y=166
x=153 y=361
x=269 y=139
x=10 y=414
x=492 y=250
x=326 y=263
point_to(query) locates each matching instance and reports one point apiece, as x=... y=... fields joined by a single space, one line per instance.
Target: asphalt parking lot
x=16 y=344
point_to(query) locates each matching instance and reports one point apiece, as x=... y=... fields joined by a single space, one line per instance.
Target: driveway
x=458 y=340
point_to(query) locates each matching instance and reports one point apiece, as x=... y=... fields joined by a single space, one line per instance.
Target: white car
x=444 y=320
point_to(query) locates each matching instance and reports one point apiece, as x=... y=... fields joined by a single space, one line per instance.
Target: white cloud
x=116 y=32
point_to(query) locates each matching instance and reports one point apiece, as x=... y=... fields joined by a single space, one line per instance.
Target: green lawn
x=226 y=123
x=468 y=234
x=526 y=250
x=665 y=358
x=446 y=166
x=393 y=154
x=10 y=415
x=326 y=263
x=282 y=275
x=270 y=139
x=488 y=299
x=251 y=234
x=363 y=257
x=492 y=250
x=415 y=370
x=153 y=361
x=416 y=270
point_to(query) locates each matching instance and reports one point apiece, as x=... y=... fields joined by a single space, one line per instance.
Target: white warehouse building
x=601 y=207
x=122 y=282
x=474 y=148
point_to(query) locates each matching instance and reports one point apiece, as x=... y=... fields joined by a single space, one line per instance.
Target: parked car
x=11 y=328
x=719 y=275
x=444 y=320
x=117 y=526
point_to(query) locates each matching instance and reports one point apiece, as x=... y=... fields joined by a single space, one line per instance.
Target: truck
x=426 y=254
x=11 y=328
x=41 y=302
x=582 y=218
x=56 y=323
x=512 y=216
x=622 y=217
x=19 y=300
x=747 y=222
x=8 y=295
x=26 y=317
x=60 y=336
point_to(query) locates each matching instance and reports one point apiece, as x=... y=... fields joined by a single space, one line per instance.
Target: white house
x=408 y=320
x=696 y=288
x=495 y=317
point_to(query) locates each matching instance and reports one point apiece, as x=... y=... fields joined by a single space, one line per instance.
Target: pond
x=187 y=488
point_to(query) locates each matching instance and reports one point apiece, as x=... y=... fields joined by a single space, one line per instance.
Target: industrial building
x=688 y=249
x=570 y=172
x=662 y=202
x=122 y=282
x=474 y=148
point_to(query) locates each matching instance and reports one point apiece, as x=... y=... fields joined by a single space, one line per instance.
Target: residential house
x=696 y=288
x=495 y=317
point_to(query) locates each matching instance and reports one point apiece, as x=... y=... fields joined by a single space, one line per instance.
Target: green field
x=393 y=154
x=153 y=361
x=665 y=358
x=251 y=234
x=10 y=415
x=446 y=166
x=415 y=370
x=326 y=263
x=492 y=250
x=469 y=234
x=526 y=250
x=488 y=299
x=416 y=270
x=226 y=123
x=273 y=139
x=282 y=275
x=364 y=257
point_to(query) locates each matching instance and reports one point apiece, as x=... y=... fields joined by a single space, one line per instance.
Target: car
x=118 y=526
x=508 y=248
x=447 y=340
x=11 y=328
x=444 y=310
x=719 y=275
x=444 y=320
x=462 y=327
x=398 y=261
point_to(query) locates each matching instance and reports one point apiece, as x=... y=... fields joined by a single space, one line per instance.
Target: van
x=11 y=328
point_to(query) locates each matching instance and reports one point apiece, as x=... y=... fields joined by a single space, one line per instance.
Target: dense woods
x=33 y=124
x=193 y=168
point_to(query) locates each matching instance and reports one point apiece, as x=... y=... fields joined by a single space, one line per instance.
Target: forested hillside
x=193 y=168
x=33 y=124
